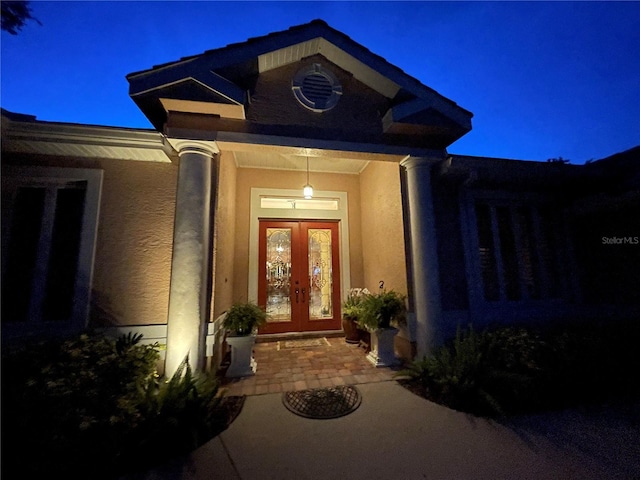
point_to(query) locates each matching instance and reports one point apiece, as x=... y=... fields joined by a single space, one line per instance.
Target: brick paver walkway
x=288 y=369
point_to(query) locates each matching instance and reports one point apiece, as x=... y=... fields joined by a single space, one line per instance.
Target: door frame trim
x=300 y=317
x=257 y=213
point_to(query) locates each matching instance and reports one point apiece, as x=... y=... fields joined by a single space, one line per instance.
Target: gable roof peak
x=319 y=21
x=224 y=73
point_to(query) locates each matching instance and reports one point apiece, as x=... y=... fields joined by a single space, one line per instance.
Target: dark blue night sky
x=543 y=79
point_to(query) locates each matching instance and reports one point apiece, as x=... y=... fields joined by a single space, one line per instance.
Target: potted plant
x=350 y=313
x=380 y=313
x=242 y=321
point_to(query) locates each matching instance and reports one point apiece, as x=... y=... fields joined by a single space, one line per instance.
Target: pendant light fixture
x=308 y=189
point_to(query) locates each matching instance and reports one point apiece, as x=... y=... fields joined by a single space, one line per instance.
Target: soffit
x=83 y=141
x=331 y=52
x=225 y=110
x=282 y=161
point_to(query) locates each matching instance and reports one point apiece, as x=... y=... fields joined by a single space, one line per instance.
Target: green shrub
x=352 y=305
x=65 y=397
x=381 y=310
x=184 y=412
x=508 y=370
x=454 y=375
x=519 y=356
x=480 y=373
x=79 y=401
x=243 y=318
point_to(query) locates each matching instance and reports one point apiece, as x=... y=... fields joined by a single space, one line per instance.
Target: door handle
x=303 y=291
x=297 y=292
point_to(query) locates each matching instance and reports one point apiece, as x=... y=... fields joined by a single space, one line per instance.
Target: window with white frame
x=49 y=222
x=519 y=250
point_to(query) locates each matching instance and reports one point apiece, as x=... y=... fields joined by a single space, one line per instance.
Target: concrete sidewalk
x=395 y=434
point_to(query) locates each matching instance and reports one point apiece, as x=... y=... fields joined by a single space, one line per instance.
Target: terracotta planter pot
x=351 y=331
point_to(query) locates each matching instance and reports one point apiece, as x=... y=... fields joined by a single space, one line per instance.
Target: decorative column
x=190 y=264
x=421 y=227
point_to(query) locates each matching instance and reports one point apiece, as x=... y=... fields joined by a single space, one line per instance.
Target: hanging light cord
x=308 y=189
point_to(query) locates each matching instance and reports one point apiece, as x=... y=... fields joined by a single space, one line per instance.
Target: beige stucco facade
x=225 y=244
x=264 y=107
x=374 y=202
x=383 y=246
x=134 y=237
x=174 y=250
x=134 y=244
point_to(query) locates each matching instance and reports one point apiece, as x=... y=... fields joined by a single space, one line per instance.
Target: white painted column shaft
x=424 y=254
x=190 y=261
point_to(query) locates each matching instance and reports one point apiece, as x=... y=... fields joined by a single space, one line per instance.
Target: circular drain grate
x=331 y=402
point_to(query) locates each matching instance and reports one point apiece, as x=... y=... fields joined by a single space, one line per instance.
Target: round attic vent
x=316 y=88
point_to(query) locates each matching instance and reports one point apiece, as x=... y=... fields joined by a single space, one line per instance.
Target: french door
x=299 y=275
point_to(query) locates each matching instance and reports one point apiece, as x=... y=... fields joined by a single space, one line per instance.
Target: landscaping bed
x=90 y=407
x=503 y=371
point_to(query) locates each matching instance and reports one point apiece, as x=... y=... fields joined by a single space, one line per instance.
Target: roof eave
x=32 y=136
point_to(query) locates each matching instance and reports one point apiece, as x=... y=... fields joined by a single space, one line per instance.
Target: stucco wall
x=134 y=241
x=254 y=178
x=224 y=235
x=135 y=234
x=381 y=216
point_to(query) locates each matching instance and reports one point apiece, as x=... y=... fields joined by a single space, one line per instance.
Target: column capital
x=411 y=162
x=202 y=147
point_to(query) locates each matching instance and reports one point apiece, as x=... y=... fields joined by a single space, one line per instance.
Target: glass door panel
x=278 y=274
x=320 y=273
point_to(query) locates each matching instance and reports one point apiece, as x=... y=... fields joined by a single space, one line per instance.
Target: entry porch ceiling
x=284 y=161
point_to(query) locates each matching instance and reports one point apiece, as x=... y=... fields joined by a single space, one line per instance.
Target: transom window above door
x=292 y=203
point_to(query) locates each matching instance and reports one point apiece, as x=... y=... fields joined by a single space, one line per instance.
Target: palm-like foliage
x=381 y=310
x=183 y=411
x=243 y=318
x=15 y=15
x=469 y=374
x=87 y=398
